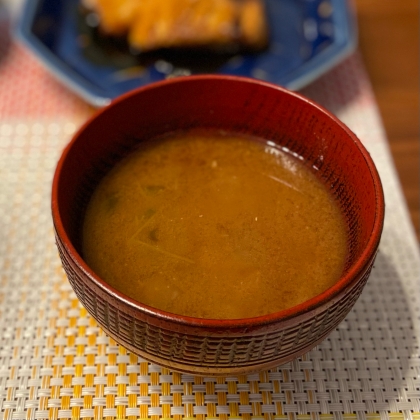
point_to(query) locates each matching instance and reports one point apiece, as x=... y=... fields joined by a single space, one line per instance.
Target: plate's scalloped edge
x=59 y=69
x=296 y=80
x=334 y=54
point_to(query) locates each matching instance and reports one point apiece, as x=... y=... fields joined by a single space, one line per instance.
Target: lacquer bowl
x=246 y=106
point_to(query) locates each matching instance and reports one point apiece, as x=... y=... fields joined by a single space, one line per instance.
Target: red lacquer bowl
x=206 y=346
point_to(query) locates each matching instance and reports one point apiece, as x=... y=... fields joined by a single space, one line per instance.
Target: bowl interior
x=233 y=104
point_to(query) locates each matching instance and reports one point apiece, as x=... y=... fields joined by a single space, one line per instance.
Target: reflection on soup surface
x=214 y=225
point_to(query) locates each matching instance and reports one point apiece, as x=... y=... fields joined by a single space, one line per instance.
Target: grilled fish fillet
x=155 y=24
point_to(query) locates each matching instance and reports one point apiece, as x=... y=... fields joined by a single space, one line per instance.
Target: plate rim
x=300 y=78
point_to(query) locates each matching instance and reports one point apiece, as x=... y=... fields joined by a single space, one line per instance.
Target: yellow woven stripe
x=221 y=397
x=254 y=389
x=277 y=389
x=155 y=400
x=177 y=396
x=90 y=362
x=46 y=380
x=166 y=392
x=77 y=388
x=211 y=406
x=132 y=382
x=144 y=390
x=233 y=406
x=310 y=392
x=244 y=396
x=199 y=396
x=188 y=407
x=122 y=387
x=47 y=364
x=266 y=393
x=111 y=380
x=288 y=394
x=100 y=372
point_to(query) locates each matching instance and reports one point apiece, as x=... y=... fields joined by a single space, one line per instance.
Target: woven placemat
x=56 y=363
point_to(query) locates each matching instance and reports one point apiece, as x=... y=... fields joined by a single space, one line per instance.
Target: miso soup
x=214 y=225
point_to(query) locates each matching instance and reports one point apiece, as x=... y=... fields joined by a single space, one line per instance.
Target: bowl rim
x=333 y=293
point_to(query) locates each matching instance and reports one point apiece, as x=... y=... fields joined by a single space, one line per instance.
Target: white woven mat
x=56 y=363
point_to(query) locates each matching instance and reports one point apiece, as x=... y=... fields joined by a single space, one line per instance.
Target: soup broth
x=214 y=225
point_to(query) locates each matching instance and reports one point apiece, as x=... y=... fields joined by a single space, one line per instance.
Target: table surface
x=389 y=42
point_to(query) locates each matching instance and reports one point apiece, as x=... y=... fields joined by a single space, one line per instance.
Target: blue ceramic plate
x=307 y=38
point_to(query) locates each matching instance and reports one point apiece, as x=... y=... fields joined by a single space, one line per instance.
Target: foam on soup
x=214 y=225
